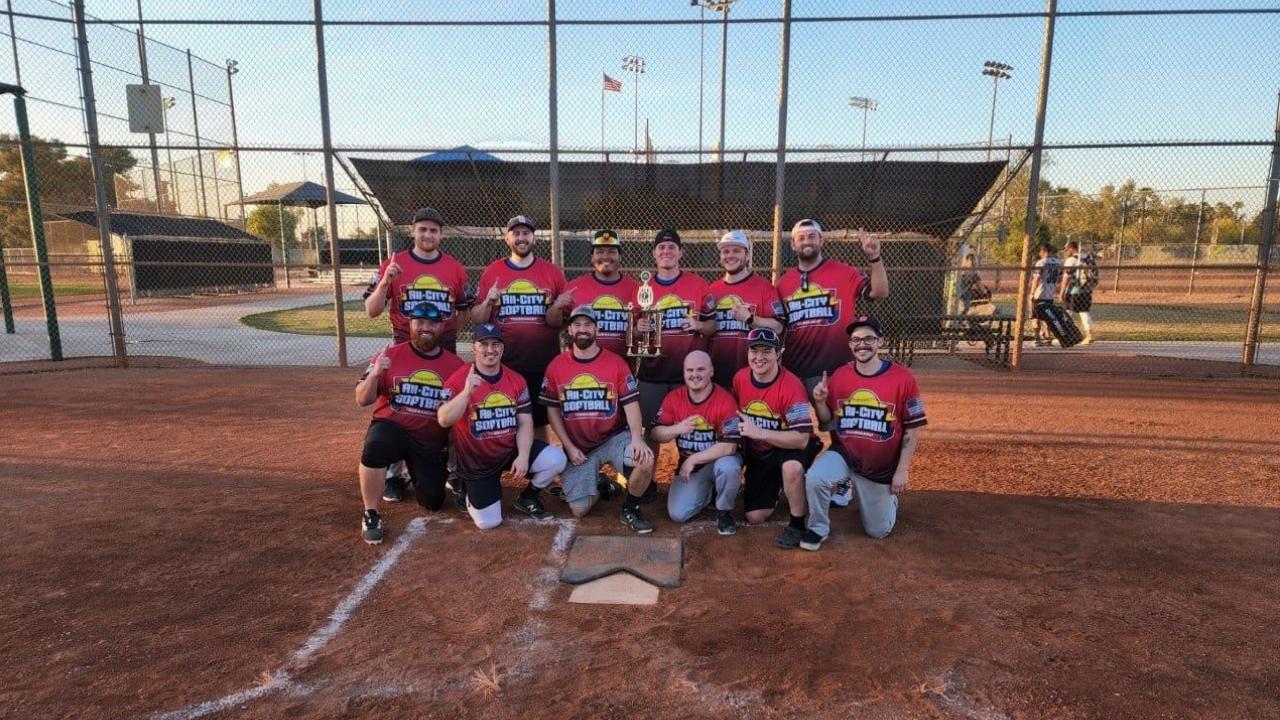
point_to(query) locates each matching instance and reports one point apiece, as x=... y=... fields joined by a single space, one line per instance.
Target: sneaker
x=393 y=490
x=632 y=518
x=811 y=540
x=649 y=493
x=459 y=488
x=533 y=508
x=789 y=538
x=371 y=527
x=725 y=524
x=843 y=494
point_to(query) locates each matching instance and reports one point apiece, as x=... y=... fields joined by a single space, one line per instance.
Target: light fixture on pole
x=998 y=71
x=866 y=105
x=635 y=64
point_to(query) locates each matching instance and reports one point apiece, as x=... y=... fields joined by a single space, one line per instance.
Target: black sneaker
x=533 y=508
x=371 y=527
x=789 y=538
x=649 y=493
x=459 y=494
x=812 y=540
x=393 y=490
x=634 y=519
x=725 y=524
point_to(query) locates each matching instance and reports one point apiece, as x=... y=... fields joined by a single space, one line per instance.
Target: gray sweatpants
x=719 y=479
x=878 y=506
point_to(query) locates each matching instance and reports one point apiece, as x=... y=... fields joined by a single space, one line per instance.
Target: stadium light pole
x=233 y=67
x=168 y=151
x=998 y=71
x=723 y=7
x=866 y=105
x=702 y=58
x=634 y=64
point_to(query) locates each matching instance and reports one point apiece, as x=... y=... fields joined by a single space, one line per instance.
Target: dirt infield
x=183 y=536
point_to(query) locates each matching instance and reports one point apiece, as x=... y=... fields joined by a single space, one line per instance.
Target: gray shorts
x=651 y=396
x=579 y=481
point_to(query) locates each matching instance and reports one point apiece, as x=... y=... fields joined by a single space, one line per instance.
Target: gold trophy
x=647 y=343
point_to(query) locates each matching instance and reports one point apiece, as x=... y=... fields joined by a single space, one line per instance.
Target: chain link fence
x=1155 y=160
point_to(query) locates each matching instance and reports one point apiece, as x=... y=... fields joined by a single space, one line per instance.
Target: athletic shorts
x=485 y=491
x=651 y=396
x=534 y=380
x=764 y=474
x=386 y=443
x=1080 y=302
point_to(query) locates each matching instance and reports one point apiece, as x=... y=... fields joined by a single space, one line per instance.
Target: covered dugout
x=183 y=255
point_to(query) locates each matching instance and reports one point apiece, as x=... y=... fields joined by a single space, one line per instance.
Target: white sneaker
x=843 y=494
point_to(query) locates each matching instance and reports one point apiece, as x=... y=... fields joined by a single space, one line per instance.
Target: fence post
x=1195 y=250
x=115 y=319
x=340 y=325
x=780 y=172
x=553 y=172
x=1264 y=250
x=195 y=126
x=5 y=300
x=1024 y=274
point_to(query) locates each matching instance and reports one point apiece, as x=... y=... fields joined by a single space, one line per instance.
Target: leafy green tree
x=264 y=222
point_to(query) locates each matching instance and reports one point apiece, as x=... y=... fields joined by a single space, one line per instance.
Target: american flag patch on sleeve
x=915 y=407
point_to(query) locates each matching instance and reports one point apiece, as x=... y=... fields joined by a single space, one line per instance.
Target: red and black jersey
x=781 y=404
x=525 y=295
x=819 y=305
x=609 y=300
x=869 y=415
x=715 y=419
x=729 y=344
x=441 y=282
x=412 y=389
x=590 y=395
x=684 y=296
x=485 y=437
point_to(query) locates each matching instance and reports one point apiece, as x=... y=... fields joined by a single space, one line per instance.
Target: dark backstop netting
x=931 y=198
x=141 y=225
x=167 y=266
x=355 y=251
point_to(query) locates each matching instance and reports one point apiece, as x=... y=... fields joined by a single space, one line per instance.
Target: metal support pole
x=203 y=205
x=36 y=217
x=780 y=171
x=1195 y=253
x=991 y=126
x=100 y=187
x=146 y=80
x=327 y=139
x=553 y=172
x=702 y=54
x=1024 y=275
x=13 y=40
x=724 y=56
x=235 y=142
x=1264 y=251
x=1124 y=219
x=284 y=247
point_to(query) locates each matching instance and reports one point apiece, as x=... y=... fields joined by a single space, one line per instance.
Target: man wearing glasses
x=876 y=412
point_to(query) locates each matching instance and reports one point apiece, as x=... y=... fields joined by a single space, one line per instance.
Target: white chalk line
x=281 y=678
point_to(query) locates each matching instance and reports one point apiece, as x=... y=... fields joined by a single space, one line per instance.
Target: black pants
x=763 y=476
x=386 y=444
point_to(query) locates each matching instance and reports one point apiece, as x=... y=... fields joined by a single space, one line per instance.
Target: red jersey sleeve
x=377 y=277
x=796 y=404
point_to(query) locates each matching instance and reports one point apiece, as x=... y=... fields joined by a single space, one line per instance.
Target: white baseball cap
x=806 y=223
x=734 y=237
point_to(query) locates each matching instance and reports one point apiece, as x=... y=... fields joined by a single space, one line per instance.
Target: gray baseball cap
x=585 y=311
x=428 y=213
x=524 y=220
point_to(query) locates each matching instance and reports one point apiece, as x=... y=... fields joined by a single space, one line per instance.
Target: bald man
x=702 y=418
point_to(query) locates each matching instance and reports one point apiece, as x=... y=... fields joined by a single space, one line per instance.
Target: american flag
x=612 y=85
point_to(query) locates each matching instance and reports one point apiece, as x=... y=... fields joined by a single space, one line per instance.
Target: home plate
x=618 y=589
x=655 y=560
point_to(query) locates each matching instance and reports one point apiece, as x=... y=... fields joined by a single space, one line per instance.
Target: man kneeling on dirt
x=491 y=419
x=876 y=412
x=702 y=418
x=406 y=381
x=592 y=404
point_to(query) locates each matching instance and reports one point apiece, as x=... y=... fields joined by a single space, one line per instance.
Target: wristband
x=874 y=260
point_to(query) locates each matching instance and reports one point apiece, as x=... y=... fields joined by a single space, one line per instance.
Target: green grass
x=25 y=289
x=1154 y=323
x=318 y=320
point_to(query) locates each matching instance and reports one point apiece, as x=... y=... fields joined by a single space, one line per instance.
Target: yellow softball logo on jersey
x=762 y=415
x=813 y=306
x=495 y=415
x=864 y=413
x=423 y=391
x=586 y=396
x=725 y=321
x=426 y=288
x=702 y=437
x=611 y=315
x=522 y=301
x=674 y=312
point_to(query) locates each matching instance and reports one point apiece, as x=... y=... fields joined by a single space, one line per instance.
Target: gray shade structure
x=930 y=198
x=300 y=194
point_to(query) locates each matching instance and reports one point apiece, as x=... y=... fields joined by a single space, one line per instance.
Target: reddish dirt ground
x=1099 y=550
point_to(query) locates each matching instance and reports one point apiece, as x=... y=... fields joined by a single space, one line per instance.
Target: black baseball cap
x=487 y=331
x=666 y=236
x=524 y=220
x=428 y=213
x=585 y=311
x=763 y=337
x=426 y=311
x=864 y=321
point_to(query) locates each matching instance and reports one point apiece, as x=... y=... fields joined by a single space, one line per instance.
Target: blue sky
x=1115 y=79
